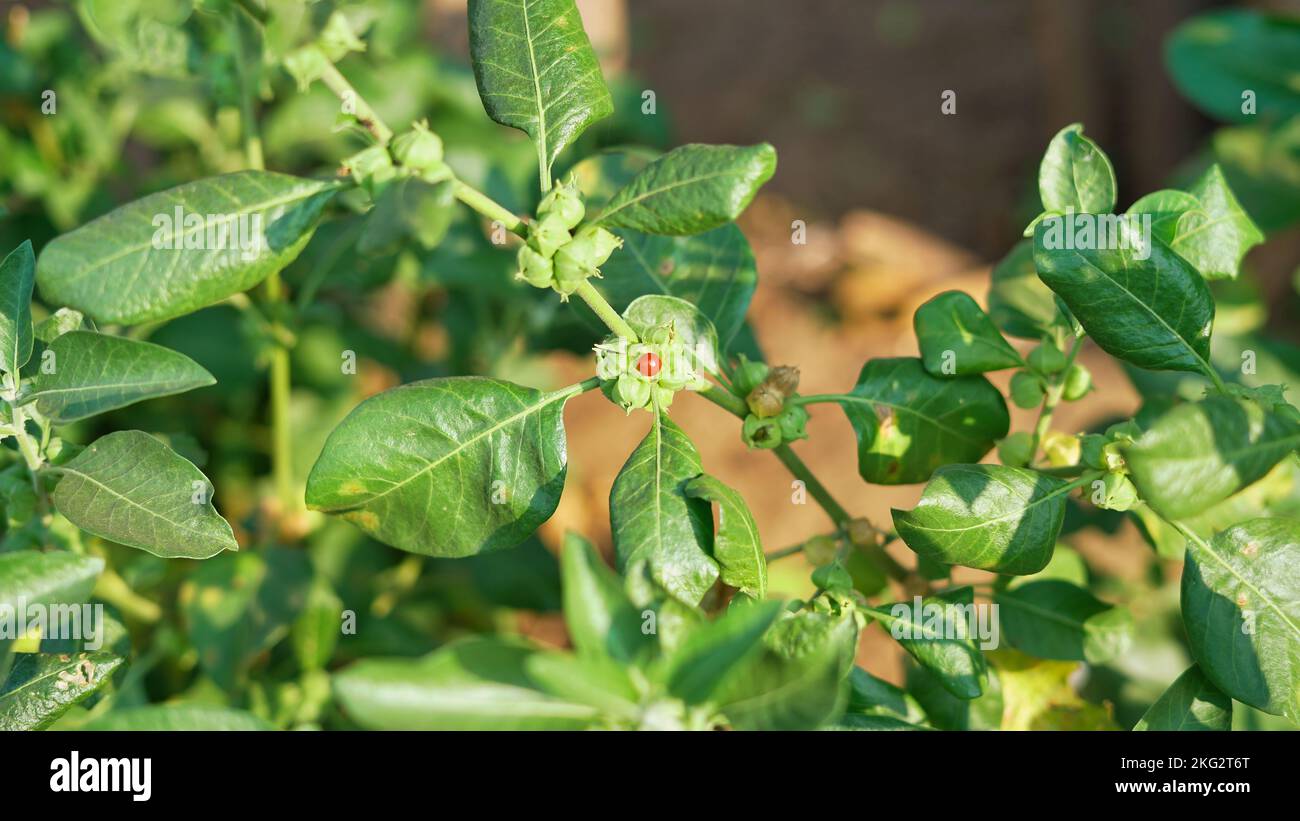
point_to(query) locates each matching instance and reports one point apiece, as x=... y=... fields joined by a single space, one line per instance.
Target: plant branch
x=588 y=293
x=365 y=115
x=489 y=207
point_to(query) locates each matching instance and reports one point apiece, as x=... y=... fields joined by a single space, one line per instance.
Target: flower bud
x=565 y=203
x=819 y=550
x=793 y=421
x=749 y=375
x=1078 y=381
x=535 y=269
x=760 y=433
x=548 y=235
x=765 y=401
x=1016 y=450
x=1026 y=391
x=418 y=148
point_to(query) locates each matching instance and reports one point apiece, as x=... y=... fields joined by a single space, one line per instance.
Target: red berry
x=648 y=365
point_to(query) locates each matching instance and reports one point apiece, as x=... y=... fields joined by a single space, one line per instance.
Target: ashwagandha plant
x=684 y=634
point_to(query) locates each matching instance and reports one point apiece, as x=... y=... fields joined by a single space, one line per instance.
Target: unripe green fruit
x=761 y=433
x=372 y=168
x=572 y=268
x=632 y=393
x=662 y=396
x=749 y=375
x=1026 y=391
x=548 y=235
x=565 y=203
x=418 y=148
x=1061 y=449
x=1078 y=381
x=603 y=243
x=1116 y=492
x=1016 y=450
x=1047 y=358
x=535 y=269
x=819 y=550
x=833 y=577
x=793 y=421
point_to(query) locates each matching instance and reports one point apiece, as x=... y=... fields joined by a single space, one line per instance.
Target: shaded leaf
x=1019 y=302
x=910 y=423
x=601 y=619
x=17 y=272
x=717 y=650
x=1190 y=703
x=736 y=544
x=989 y=517
x=1215 y=57
x=1053 y=619
x=958 y=339
x=938 y=635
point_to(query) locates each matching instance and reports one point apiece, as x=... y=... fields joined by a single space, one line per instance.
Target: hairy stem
x=605 y=311
x=489 y=207
x=365 y=115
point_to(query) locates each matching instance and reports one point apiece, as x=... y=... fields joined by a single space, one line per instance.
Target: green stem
x=488 y=207
x=365 y=115
x=821 y=398
x=726 y=400
x=605 y=311
x=783 y=552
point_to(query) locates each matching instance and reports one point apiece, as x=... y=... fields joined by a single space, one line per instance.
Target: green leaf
x=94 y=373
x=653 y=520
x=775 y=693
x=473 y=684
x=989 y=517
x=718 y=650
x=938 y=635
x=1054 y=619
x=910 y=423
x=865 y=721
x=536 y=71
x=1076 y=175
x=239 y=605
x=16 y=278
x=1156 y=313
x=178 y=717
x=1020 y=303
x=130 y=488
x=41 y=578
x=315 y=631
x=691 y=189
x=58 y=323
x=736 y=544
x=715 y=271
x=42 y=687
x=1263 y=164
x=594 y=681
x=693 y=329
x=1241 y=608
x=806 y=633
x=179 y=250
x=601 y=619
x=871 y=696
x=1190 y=703
x=1198 y=454
x=446 y=467
x=958 y=339
x=409 y=208
x=1207 y=227
x=1214 y=58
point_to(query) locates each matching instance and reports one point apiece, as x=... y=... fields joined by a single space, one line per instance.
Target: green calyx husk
x=647 y=374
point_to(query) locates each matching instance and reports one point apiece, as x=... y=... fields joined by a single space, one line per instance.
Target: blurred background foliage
x=900 y=203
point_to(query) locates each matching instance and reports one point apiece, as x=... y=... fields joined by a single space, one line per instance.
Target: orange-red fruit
x=648 y=365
